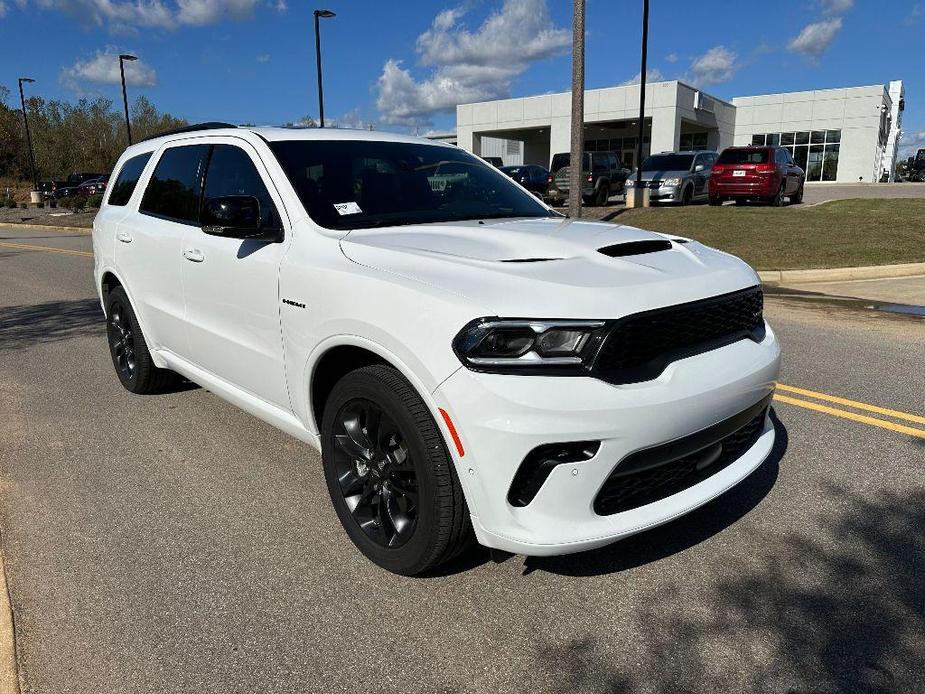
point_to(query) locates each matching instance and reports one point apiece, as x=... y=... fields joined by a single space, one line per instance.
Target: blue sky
x=403 y=64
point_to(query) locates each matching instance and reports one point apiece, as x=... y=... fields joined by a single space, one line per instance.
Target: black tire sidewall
x=417 y=551
x=118 y=296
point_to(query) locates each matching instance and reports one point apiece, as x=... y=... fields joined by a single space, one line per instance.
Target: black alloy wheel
x=375 y=473
x=121 y=340
x=778 y=199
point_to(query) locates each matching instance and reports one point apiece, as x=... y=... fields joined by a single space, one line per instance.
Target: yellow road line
x=30 y=247
x=853 y=403
x=873 y=421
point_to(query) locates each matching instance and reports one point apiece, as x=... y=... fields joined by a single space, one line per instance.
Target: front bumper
x=500 y=419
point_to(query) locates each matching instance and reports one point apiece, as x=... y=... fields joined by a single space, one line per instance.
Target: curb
x=867 y=272
x=9 y=674
x=46 y=227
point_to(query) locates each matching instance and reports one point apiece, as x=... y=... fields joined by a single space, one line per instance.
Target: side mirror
x=236 y=217
x=697 y=168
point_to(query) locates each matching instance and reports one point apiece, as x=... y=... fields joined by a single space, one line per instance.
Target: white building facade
x=841 y=135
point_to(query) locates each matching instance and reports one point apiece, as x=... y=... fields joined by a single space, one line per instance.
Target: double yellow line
x=854 y=405
x=48 y=249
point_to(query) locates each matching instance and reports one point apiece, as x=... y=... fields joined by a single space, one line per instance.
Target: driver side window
x=231 y=172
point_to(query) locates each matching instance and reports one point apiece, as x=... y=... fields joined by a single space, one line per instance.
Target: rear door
x=231 y=285
x=149 y=243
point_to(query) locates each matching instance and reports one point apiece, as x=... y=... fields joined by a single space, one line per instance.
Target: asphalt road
x=175 y=544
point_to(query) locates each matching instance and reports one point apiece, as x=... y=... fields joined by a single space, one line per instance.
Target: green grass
x=845 y=233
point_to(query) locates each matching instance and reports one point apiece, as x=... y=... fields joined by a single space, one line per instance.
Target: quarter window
x=231 y=172
x=174 y=190
x=127 y=179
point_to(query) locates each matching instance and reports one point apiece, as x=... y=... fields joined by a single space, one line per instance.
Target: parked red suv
x=756 y=173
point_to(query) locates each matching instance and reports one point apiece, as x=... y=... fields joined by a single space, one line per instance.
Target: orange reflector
x=452 y=428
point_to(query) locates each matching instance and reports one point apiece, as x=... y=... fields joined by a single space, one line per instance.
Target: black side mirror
x=235 y=216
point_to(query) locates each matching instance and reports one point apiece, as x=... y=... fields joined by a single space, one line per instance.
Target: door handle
x=124 y=237
x=193 y=255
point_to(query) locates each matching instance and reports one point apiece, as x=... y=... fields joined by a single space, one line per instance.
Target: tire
x=129 y=351
x=778 y=199
x=395 y=470
x=687 y=196
x=797 y=197
x=602 y=195
x=715 y=201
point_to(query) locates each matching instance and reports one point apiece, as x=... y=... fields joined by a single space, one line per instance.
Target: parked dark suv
x=532 y=177
x=602 y=175
x=767 y=174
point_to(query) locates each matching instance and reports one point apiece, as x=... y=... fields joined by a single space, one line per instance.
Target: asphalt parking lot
x=175 y=544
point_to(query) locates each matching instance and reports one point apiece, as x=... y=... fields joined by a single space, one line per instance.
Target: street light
x=25 y=120
x=642 y=95
x=128 y=124
x=318 y=15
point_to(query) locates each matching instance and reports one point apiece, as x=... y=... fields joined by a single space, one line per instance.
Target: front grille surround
x=640 y=346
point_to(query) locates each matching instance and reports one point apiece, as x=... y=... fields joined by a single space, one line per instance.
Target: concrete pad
x=897 y=290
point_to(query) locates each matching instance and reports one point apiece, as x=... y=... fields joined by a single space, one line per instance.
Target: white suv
x=468 y=362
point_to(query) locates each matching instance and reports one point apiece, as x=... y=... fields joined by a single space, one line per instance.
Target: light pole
x=578 y=110
x=642 y=94
x=25 y=120
x=318 y=15
x=128 y=123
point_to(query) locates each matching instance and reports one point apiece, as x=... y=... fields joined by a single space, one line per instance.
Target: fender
x=155 y=357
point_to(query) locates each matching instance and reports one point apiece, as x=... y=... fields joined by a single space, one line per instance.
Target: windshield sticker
x=347 y=208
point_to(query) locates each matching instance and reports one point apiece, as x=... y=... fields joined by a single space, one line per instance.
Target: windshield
x=355 y=184
x=668 y=162
x=743 y=156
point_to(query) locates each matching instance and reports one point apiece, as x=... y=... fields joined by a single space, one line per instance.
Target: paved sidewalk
x=824 y=192
x=898 y=290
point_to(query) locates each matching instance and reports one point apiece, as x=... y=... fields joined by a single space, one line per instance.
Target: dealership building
x=843 y=135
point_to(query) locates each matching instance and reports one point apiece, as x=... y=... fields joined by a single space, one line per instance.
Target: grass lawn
x=837 y=234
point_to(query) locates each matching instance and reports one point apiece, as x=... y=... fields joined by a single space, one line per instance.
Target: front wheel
x=389 y=474
x=130 y=356
x=778 y=199
x=687 y=195
x=603 y=194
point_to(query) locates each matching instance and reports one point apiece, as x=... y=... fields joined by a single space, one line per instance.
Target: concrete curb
x=867 y=272
x=46 y=227
x=9 y=674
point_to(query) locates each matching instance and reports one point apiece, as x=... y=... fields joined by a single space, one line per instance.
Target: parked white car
x=468 y=362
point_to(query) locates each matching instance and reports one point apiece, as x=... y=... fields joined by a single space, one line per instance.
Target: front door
x=231 y=285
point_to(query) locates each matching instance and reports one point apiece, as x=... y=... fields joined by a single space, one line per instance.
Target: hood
x=551 y=267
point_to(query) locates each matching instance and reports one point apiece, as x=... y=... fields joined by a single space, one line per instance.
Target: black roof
x=212 y=125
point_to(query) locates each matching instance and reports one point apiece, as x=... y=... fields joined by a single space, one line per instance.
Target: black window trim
x=210 y=143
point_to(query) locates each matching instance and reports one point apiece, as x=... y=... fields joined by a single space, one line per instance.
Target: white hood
x=545 y=267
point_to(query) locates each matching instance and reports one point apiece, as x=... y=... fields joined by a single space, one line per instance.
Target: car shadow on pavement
x=25 y=326
x=678 y=535
x=838 y=607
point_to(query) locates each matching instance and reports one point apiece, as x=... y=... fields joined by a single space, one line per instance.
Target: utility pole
x=318 y=15
x=128 y=123
x=578 y=109
x=25 y=120
x=642 y=93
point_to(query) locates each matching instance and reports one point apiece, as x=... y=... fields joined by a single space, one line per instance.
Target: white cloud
x=671 y=58
x=469 y=65
x=652 y=75
x=3 y=10
x=815 y=38
x=265 y=58
x=103 y=68
x=835 y=7
x=915 y=14
x=911 y=143
x=123 y=15
x=717 y=65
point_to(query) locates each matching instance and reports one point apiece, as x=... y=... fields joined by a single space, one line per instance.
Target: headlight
x=562 y=347
x=671 y=182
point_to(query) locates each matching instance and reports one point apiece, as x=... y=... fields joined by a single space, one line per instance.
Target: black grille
x=657 y=473
x=639 y=347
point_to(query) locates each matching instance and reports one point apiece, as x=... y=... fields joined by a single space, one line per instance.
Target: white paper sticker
x=347 y=208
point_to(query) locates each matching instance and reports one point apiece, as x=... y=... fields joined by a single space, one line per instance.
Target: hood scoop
x=529 y=260
x=621 y=250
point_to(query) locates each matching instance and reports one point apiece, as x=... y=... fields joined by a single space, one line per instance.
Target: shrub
x=74 y=203
x=52 y=203
x=11 y=203
x=40 y=205
x=94 y=201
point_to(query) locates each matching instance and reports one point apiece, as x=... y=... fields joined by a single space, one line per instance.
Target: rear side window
x=174 y=189
x=231 y=172
x=744 y=156
x=127 y=179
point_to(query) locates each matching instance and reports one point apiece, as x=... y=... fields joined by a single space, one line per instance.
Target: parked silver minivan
x=677 y=177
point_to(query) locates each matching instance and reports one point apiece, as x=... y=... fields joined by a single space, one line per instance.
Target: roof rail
x=212 y=125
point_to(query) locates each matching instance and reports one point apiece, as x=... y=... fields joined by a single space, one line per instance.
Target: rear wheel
x=778 y=199
x=797 y=197
x=130 y=356
x=389 y=474
x=603 y=194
